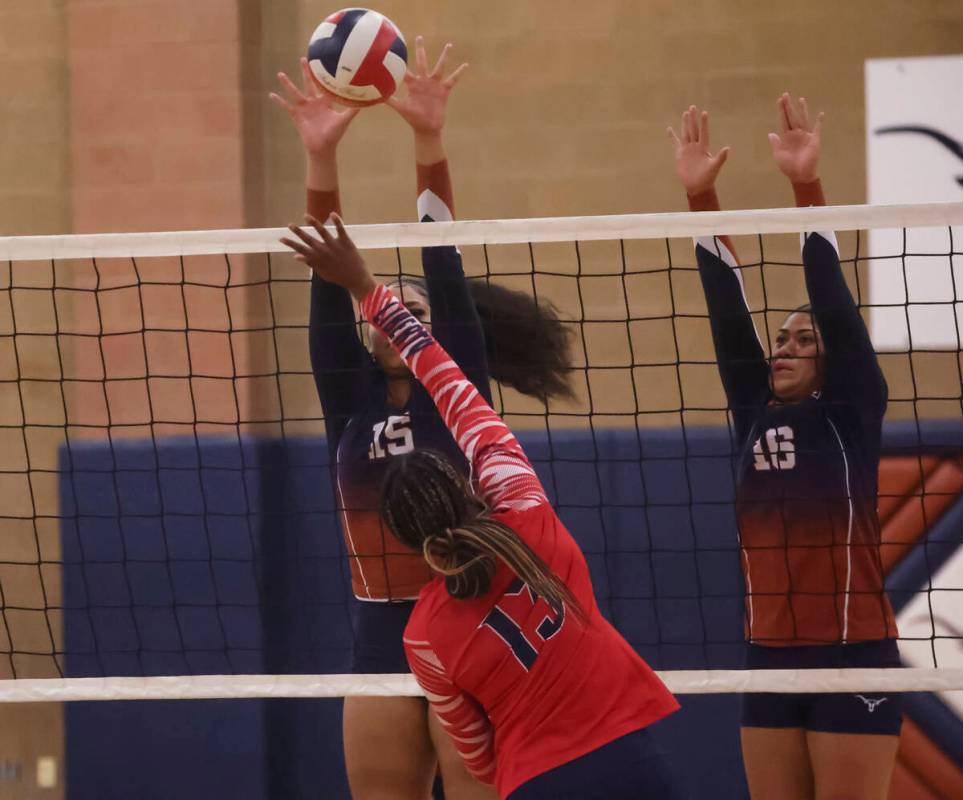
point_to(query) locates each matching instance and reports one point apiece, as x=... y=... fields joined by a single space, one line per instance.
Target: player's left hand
x=796 y=148
x=332 y=257
x=423 y=108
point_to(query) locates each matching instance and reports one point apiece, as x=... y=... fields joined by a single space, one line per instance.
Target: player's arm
x=505 y=478
x=454 y=317
x=739 y=353
x=852 y=369
x=461 y=716
x=504 y=475
x=337 y=356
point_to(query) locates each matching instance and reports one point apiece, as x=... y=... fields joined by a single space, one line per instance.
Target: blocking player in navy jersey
x=538 y=691
x=808 y=424
x=374 y=412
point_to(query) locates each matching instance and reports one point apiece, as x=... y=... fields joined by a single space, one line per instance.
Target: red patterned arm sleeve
x=463 y=719
x=504 y=475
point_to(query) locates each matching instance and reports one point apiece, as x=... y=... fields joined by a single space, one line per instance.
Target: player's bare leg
x=388 y=752
x=457 y=780
x=777 y=763
x=854 y=766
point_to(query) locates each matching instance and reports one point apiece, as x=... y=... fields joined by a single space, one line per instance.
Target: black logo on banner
x=951 y=144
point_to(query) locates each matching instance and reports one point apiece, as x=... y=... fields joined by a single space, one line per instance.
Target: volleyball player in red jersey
x=808 y=425
x=374 y=412
x=538 y=691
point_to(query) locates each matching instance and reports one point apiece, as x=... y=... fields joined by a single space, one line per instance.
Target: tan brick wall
x=565 y=105
x=33 y=145
x=34 y=199
x=156 y=114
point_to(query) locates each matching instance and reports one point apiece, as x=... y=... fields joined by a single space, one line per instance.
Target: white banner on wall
x=931 y=627
x=914 y=151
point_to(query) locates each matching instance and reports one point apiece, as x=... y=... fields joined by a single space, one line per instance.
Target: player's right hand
x=696 y=167
x=319 y=121
x=333 y=257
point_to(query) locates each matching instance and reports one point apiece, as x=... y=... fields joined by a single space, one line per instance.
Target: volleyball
x=359 y=56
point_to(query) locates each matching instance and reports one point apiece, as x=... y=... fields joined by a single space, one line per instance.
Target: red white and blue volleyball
x=359 y=56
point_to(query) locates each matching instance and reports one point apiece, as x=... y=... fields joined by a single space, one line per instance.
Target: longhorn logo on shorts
x=872 y=703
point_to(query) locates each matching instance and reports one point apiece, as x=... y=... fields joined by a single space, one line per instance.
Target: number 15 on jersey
x=392 y=437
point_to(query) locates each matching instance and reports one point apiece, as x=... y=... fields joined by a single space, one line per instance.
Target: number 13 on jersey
x=510 y=619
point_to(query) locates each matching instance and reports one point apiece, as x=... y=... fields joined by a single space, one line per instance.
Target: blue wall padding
x=224 y=556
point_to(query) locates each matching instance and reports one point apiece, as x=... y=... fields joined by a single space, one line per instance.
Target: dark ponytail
x=429 y=506
x=528 y=347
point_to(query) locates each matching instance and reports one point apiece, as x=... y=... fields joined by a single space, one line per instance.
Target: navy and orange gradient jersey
x=522 y=687
x=807 y=471
x=364 y=432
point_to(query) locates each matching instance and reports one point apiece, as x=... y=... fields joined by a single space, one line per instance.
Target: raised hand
x=424 y=106
x=796 y=149
x=319 y=122
x=695 y=165
x=333 y=258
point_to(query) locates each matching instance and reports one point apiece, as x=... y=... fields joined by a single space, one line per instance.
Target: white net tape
x=505 y=231
x=218 y=687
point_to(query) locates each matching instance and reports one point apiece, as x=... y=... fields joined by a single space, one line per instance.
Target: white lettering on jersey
x=775 y=450
x=396 y=432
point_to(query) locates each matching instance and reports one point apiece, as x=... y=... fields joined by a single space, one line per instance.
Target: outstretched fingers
x=704 y=129
x=339 y=227
x=803 y=111
x=785 y=118
x=421 y=58
x=280 y=101
x=684 y=128
x=310 y=81
x=293 y=94
x=323 y=232
x=452 y=79
x=440 y=63
x=694 y=122
x=302 y=250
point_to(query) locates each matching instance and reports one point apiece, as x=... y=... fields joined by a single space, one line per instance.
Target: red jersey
x=520 y=686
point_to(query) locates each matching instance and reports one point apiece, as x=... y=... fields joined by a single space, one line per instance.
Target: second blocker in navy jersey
x=806 y=471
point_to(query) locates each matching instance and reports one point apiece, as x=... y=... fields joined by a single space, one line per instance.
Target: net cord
x=507 y=231
x=240 y=687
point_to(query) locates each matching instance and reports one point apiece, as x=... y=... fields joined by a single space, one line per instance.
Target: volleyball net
x=168 y=529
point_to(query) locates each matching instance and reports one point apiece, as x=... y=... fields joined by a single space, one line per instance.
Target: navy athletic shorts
x=632 y=767
x=864 y=712
x=378 y=632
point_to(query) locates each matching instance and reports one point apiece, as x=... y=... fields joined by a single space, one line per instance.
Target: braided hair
x=430 y=507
